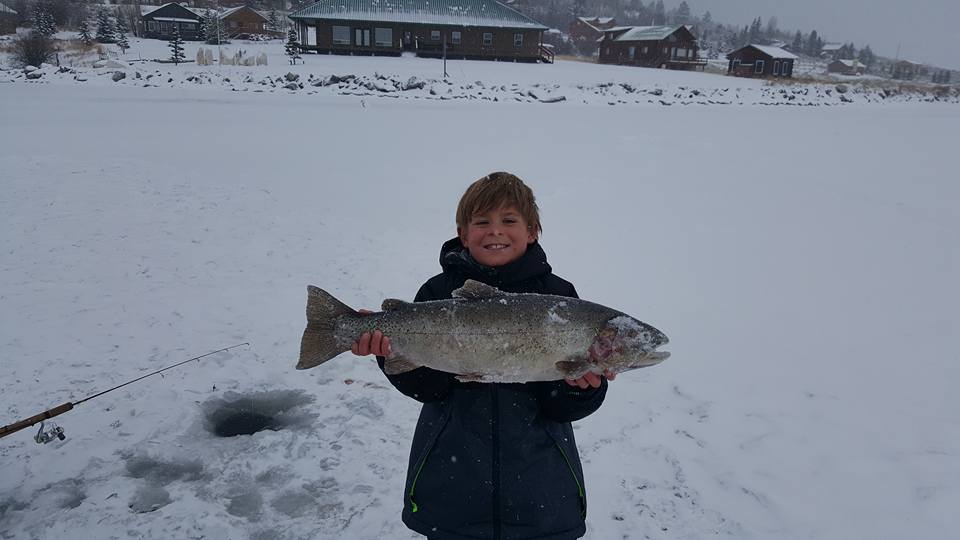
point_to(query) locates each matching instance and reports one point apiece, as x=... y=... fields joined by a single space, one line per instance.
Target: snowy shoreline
x=396 y=86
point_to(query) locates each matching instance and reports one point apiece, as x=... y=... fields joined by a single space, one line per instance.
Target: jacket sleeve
x=561 y=402
x=422 y=384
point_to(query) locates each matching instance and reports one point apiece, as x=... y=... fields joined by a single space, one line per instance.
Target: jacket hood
x=456 y=258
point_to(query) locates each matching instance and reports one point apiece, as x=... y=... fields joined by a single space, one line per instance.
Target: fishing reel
x=44 y=436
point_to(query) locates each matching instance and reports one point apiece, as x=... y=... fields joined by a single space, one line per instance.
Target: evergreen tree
x=84 y=35
x=813 y=44
x=43 y=21
x=659 y=13
x=755 y=29
x=797 y=45
x=176 y=46
x=772 y=30
x=213 y=28
x=682 y=15
x=121 y=35
x=866 y=56
x=292 y=48
x=105 y=30
x=273 y=21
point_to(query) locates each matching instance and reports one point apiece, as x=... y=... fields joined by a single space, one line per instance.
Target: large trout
x=487 y=335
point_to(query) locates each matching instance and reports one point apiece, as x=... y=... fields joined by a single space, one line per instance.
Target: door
x=311 y=35
x=362 y=37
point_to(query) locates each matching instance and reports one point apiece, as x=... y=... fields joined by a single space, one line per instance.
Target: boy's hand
x=376 y=343
x=591 y=379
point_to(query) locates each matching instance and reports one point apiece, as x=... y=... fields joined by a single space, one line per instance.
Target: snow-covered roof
x=646 y=33
x=831 y=47
x=233 y=10
x=775 y=52
x=5 y=9
x=487 y=13
x=851 y=63
x=174 y=19
x=591 y=21
x=146 y=10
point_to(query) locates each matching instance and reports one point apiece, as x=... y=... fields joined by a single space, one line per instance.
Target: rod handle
x=17 y=426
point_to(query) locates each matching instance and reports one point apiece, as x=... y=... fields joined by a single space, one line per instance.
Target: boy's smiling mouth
x=496 y=246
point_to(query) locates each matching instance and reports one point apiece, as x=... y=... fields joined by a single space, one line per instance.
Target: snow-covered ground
x=802 y=260
x=560 y=84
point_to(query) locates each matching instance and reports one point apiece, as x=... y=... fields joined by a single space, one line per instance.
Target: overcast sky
x=926 y=30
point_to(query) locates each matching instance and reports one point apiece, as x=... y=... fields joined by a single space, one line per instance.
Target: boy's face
x=497 y=237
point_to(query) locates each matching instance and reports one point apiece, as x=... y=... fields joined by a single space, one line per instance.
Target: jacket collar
x=533 y=263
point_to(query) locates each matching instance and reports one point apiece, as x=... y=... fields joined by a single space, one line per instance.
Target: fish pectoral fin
x=393 y=304
x=474 y=290
x=396 y=365
x=573 y=368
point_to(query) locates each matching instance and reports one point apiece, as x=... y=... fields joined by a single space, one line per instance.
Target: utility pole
x=445 y=55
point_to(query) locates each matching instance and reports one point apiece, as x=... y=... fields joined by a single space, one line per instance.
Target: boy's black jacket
x=495 y=461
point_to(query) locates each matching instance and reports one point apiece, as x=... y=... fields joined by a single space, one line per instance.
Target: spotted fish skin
x=486 y=335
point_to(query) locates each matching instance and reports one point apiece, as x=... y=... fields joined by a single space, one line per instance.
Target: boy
x=494 y=460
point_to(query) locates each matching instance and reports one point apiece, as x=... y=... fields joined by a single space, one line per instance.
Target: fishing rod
x=56 y=432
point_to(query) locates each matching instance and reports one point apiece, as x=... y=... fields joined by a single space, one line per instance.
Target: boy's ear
x=461 y=232
x=531 y=234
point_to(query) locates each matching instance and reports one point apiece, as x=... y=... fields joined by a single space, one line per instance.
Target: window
x=645 y=50
x=434 y=35
x=487 y=39
x=666 y=50
x=383 y=37
x=776 y=67
x=758 y=66
x=518 y=40
x=153 y=26
x=165 y=27
x=341 y=35
x=785 y=68
x=681 y=53
x=455 y=37
x=188 y=26
x=633 y=52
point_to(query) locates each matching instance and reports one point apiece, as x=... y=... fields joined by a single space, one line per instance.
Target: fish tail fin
x=319 y=343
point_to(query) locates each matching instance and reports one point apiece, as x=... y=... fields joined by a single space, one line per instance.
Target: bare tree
x=33 y=49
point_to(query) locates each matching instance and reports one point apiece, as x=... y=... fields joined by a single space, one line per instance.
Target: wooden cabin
x=158 y=23
x=8 y=20
x=760 y=61
x=241 y=22
x=670 y=47
x=587 y=31
x=475 y=29
x=906 y=70
x=847 y=67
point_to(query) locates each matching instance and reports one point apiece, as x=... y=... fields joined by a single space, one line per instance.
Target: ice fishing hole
x=245 y=414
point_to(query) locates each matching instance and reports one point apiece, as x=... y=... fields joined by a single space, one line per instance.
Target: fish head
x=624 y=343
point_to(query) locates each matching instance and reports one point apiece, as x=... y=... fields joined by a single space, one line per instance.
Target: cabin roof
x=482 y=13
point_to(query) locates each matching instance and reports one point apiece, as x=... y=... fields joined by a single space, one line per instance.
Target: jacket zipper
x=580 y=493
x=495 y=444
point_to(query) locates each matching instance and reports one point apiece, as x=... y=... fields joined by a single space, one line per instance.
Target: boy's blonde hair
x=496 y=190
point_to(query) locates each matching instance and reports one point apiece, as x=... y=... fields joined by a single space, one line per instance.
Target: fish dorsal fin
x=393 y=304
x=474 y=290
